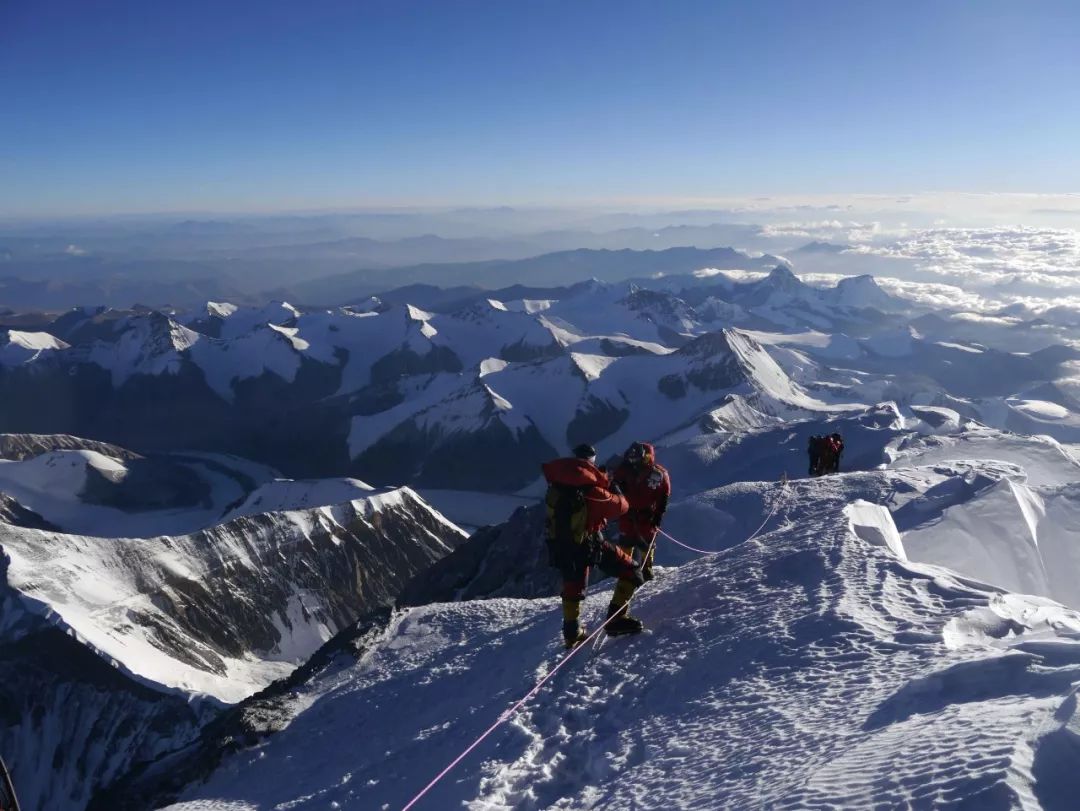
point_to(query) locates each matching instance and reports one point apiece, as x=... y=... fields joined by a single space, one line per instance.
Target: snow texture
x=811 y=667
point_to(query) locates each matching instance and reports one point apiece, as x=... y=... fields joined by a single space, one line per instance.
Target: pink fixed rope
x=687 y=546
x=749 y=537
x=506 y=716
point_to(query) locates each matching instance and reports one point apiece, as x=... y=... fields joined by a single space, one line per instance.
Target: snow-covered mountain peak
x=149 y=344
x=662 y=308
x=715 y=345
x=591 y=367
x=416 y=314
x=158 y=331
x=18 y=347
x=858 y=292
x=220 y=309
x=782 y=277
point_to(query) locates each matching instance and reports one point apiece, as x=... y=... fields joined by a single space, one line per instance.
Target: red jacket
x=647 y=489
x=602 y=503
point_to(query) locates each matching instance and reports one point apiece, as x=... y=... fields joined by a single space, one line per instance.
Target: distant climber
x=835 y=445
x=647 y=487
x=825 y=452
x=580 y=501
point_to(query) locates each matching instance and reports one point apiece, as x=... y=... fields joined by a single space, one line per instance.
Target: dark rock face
x=12 y=512
x=522 y=352
x=492 y=458
x=354 y=565
x=672 y=386
x=713 y=366
x=595 y=421
x=620 y=349
x=150 y=484
x=405 y=362
x=296 y=427
x=508 y=560
x=18 y=447
x=71 y=723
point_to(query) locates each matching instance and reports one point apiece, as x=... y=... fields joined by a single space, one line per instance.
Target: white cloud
x=986 y=268
x=823 y=230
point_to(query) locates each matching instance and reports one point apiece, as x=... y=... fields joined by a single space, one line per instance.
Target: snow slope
x=112 y=492
x=285 y=581
x=26 y=347
x=808 y=668
x=1044 y=460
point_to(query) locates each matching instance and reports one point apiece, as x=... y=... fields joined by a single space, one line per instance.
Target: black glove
x=614 y=488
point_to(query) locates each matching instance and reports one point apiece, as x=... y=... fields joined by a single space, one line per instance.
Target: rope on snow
x=508 y=714
x=776 y=505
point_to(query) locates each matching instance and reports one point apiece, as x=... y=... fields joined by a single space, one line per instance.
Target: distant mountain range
x=552 y=269
x=476 y=393
x=61 y=280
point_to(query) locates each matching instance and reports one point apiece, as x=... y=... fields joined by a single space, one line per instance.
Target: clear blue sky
x=147 y=105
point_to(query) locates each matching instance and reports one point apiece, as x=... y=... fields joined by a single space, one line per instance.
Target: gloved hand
x=614 y=488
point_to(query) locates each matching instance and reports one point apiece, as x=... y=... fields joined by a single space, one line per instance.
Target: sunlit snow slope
x=812 y=667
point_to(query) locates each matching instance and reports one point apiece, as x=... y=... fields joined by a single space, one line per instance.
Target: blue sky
x=154 y=106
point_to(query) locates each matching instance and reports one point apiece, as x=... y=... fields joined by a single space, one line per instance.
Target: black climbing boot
x=624 y=623
x=573 y=634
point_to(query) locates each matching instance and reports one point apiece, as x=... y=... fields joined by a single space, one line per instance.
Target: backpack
x=566 y=525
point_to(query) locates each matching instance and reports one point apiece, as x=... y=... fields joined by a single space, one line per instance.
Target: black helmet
x=585 y=451
x=637 y=453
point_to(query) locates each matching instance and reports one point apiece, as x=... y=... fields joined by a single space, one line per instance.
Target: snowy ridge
x=792 y=671
x=144 y=345
x=26 y=347
x=290 y=575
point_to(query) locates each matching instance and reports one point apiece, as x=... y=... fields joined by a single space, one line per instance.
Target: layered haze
x=977 y=252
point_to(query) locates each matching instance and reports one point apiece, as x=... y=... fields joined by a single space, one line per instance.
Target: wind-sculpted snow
x=1004 y=531
x=807 y=668
x=1043 y=460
